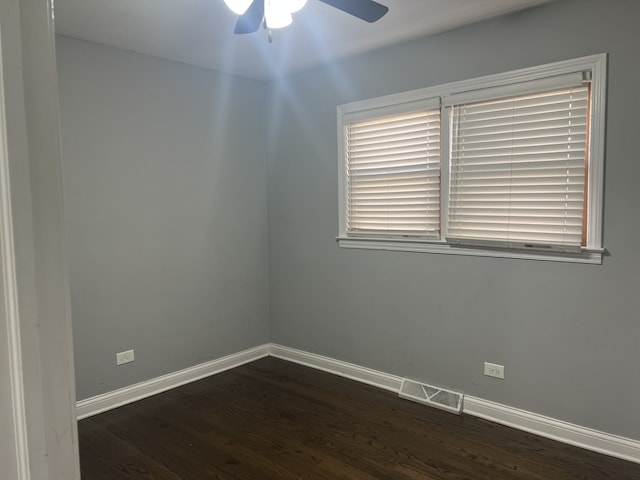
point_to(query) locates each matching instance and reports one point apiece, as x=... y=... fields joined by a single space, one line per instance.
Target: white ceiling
x=200 y=32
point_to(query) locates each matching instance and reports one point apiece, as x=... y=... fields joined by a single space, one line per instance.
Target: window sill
x=590 y=256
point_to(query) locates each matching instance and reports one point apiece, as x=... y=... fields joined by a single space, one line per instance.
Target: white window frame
x=594 y=65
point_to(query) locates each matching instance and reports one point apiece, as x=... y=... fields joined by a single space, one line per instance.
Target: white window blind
x=518 y=170
x=393 y=175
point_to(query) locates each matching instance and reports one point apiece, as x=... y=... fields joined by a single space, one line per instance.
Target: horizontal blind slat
x=393 y=174
x=518 y=168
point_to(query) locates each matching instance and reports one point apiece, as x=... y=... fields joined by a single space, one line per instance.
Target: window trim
x=595 y=64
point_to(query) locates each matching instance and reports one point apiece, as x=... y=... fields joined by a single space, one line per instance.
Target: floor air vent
x=434 y=396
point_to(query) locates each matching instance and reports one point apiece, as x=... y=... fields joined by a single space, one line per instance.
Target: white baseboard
x=613 y=445
x=608 y=444
x=338 y=367
x=122 y=396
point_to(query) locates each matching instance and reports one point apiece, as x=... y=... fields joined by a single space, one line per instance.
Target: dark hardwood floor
x=276 y=420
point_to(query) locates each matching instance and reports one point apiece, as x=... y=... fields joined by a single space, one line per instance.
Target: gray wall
x=165 y=198
x=166 y=190
x=567 y=334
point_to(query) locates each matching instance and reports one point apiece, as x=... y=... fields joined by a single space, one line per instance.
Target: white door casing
x=38 y=434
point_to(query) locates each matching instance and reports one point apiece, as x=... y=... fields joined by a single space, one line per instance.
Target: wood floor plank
x=272 y=419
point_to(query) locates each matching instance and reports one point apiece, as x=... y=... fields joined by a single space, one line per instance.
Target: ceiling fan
x=277 y=13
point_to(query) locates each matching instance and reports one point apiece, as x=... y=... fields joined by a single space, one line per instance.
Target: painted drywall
x=165 y=199
x=567 y=334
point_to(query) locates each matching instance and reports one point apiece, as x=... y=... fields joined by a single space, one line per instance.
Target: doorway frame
x=37 y=413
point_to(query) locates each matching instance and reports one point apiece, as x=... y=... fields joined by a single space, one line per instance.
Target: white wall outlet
x=493 y=370
x=125 y=357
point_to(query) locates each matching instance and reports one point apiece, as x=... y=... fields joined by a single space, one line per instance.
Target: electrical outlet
x=493 y=370
x=125 y=357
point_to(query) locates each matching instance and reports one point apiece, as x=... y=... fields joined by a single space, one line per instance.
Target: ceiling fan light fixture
x=277 y=14
x=238 y=7
x=273 y=14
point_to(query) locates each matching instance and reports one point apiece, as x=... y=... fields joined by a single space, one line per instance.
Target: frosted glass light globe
x=294 y=5
x=239 y=6
x=276 y=14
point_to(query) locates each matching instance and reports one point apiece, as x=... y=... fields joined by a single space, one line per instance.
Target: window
x=508 y=165
x=393 y=175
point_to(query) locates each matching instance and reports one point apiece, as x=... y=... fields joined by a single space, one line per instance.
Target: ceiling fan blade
x=367 y=10
x=249 y=21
